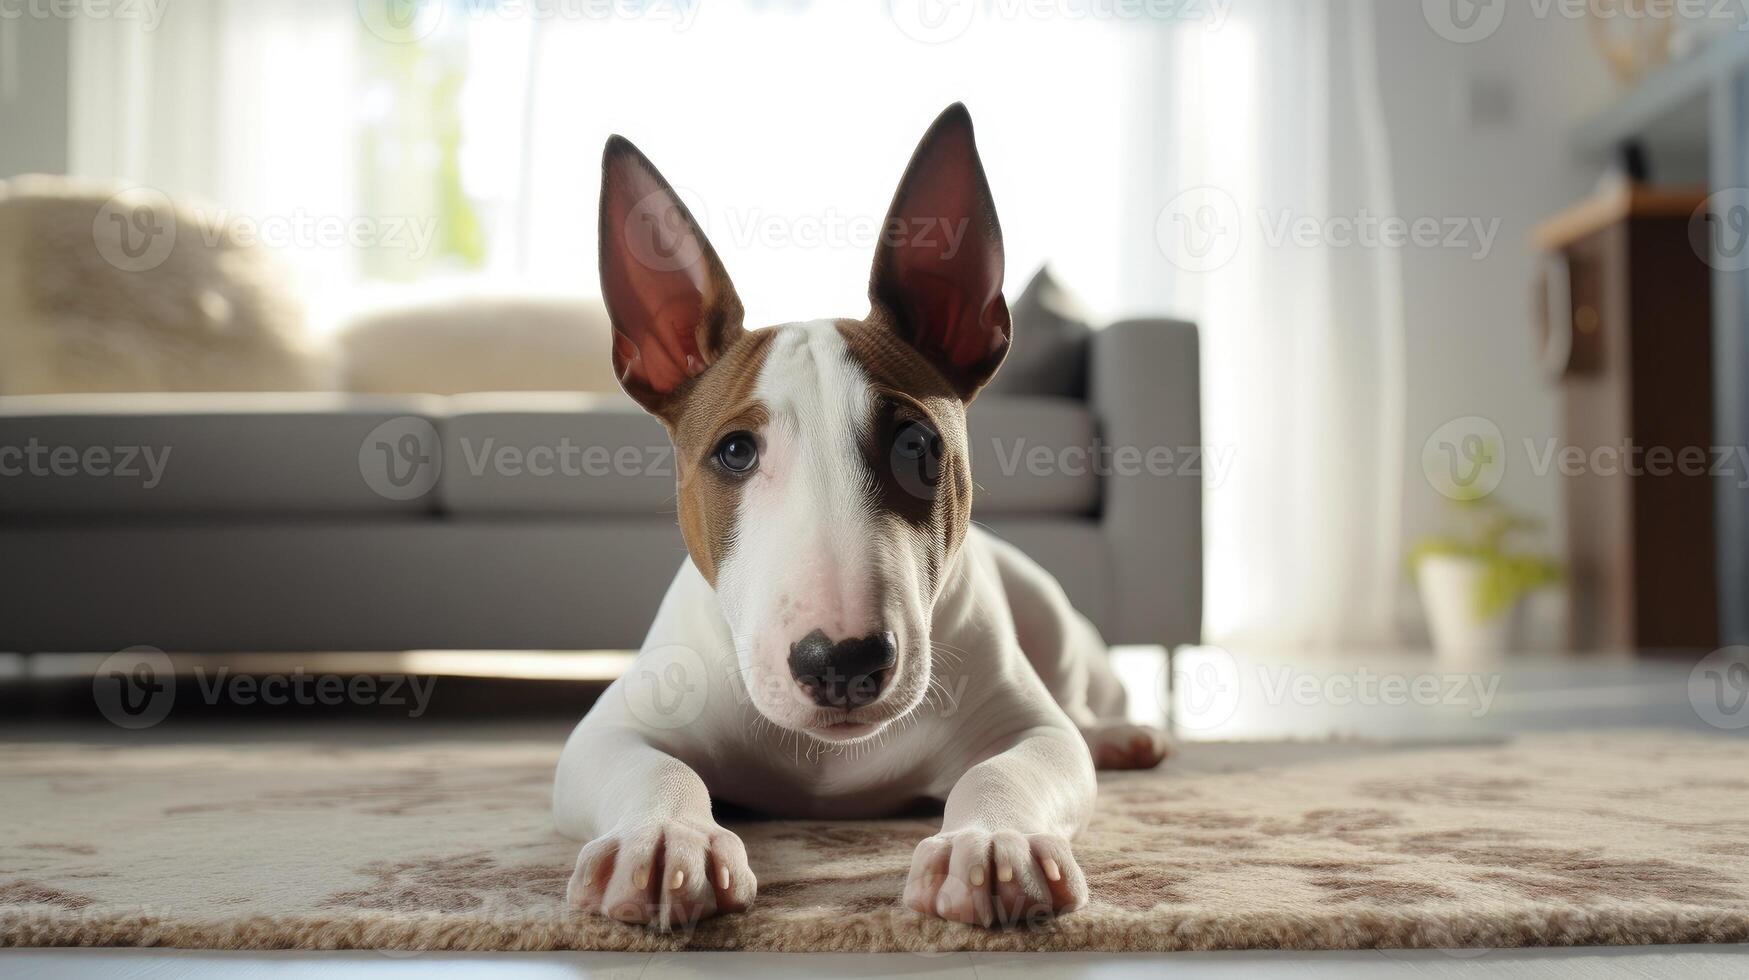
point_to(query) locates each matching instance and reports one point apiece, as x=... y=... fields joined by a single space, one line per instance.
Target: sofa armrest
x=1144 y=387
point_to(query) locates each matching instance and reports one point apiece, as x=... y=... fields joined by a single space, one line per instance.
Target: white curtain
x=1275 y=139
x=1108 y=141
x=246 y=108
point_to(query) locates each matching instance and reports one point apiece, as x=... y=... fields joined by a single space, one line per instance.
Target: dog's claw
x=1036 y=878
x=615 y=874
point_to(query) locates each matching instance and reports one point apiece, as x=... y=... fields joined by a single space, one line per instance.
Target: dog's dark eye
x=917 y=451
x=738 y=453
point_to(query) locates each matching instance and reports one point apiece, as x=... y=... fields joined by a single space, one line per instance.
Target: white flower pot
x=1448 y=591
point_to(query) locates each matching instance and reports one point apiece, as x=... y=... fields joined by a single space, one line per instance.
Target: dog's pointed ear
x=938 y=269
x=674 y=310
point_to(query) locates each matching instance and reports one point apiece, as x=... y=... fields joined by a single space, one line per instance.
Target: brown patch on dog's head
x=718 y=403
x=908 y=389
x=937 y=330
x=679 y=348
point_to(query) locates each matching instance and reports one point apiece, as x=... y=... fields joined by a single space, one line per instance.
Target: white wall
x=33 y=95
x=1469 y=322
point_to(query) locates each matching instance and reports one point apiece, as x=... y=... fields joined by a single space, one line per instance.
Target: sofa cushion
x=476 y=342
x=201 y=307
x=1032 y=456
x=554 y=452
x=142 y=455
x=1048 y=355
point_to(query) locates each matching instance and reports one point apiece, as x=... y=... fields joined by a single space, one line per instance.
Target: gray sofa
x=314 y=522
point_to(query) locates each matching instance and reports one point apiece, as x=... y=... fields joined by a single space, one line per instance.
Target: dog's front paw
x=665 y=873
x=995 y=878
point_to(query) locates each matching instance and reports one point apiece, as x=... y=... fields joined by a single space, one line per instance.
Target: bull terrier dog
x=844 y=641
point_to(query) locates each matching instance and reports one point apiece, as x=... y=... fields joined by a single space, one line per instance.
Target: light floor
x=1686 y=962
x=1542 y=695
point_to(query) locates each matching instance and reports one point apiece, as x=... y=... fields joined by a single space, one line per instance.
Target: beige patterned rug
x=1627 y=837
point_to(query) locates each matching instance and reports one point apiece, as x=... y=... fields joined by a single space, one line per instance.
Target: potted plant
x=1473 y=581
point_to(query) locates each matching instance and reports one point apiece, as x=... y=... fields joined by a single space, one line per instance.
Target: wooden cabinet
x=1626 y=334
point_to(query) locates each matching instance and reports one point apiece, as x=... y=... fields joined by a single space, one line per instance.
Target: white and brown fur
x=995 y=699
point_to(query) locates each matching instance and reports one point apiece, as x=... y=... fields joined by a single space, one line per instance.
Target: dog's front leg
x=1003 y=854
x=655 y=854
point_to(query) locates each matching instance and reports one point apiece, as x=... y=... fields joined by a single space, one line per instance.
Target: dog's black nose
x=845 y=674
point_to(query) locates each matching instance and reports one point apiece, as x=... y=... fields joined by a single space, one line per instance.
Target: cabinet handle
x=1557 y=352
